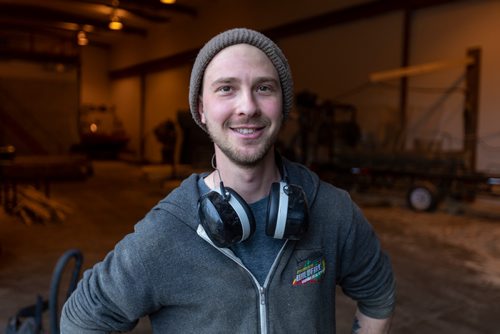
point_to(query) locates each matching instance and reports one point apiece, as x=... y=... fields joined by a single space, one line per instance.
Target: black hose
x=56 y=280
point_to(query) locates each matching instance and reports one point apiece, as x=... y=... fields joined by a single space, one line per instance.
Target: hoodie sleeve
x=365 y=270
x=116 y=292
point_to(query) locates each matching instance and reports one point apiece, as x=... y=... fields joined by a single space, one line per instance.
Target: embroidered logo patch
x=311 y=272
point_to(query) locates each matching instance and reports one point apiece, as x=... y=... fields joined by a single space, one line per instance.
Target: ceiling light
x=168 y=2
x=81 y=38
x=115 y=23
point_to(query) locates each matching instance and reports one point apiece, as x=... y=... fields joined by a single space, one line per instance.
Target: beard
x=242 y=156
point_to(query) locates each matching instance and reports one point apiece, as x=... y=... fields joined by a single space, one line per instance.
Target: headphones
x=227 y=219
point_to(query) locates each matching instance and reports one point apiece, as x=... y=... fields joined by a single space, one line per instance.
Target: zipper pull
x=262 y=296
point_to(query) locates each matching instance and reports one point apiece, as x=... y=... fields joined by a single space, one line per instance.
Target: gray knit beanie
x=232 y=37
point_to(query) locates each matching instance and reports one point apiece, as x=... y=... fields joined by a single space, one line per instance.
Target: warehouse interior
x=395 y=102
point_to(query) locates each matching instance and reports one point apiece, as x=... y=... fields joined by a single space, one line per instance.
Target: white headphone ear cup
x=287 y=212
x=277 y=210
x=244 y=213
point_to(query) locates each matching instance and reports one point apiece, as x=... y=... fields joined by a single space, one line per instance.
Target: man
x=259 y=244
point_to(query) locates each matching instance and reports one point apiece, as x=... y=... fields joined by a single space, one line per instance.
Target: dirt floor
x=447 y=263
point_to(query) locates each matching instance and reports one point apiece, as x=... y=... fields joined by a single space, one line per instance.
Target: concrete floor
x=447 y=265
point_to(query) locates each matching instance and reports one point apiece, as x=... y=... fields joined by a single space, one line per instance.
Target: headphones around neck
x=227 y=219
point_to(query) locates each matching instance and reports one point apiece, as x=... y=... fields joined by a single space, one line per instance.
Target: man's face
x=241 y=103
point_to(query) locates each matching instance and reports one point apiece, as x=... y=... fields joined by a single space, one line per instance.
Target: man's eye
x=224 y=89
x=265 y=88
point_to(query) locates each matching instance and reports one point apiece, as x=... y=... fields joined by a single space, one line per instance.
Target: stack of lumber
x=34 y=207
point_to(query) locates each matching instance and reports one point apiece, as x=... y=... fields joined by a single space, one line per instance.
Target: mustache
x=249 y=122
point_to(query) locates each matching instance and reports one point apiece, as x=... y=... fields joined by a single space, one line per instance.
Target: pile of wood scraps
x=34 y=206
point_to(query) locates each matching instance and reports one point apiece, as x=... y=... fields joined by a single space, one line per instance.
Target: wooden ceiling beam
x=33 y=15
x=157 y=5
x=43 y=57
x=147 y=6
x=350 y=14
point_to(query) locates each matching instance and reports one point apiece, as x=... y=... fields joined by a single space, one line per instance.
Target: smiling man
x=258 y=244
x=241 y=104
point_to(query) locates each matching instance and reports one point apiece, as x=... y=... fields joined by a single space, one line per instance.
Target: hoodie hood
x=182 y=201
x=300 y=175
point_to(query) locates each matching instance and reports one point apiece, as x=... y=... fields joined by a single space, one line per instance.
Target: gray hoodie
x=168 y=269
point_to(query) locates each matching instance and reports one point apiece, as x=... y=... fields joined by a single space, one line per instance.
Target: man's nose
x=247 y=104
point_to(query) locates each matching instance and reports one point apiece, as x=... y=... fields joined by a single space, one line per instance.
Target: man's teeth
x=245 y=131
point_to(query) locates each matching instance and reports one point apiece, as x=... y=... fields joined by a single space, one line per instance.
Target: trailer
x=328 y=136
x=425 y=181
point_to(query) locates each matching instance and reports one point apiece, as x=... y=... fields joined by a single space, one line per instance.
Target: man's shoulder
x=300 y=174
x=186 y=192
x=311 y=182
x=180 y=204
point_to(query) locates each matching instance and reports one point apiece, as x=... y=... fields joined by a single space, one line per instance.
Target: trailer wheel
x=422 y=197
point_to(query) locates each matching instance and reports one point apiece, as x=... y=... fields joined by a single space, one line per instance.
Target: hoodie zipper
x=262 y=289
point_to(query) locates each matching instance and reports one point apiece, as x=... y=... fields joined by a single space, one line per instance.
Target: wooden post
x=403 y=92
x=142 y=119
x=471 y=108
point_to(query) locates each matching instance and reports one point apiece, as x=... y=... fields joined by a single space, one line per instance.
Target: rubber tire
x=422 y=197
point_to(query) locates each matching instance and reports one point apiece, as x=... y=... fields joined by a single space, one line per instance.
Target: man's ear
x=201 y=111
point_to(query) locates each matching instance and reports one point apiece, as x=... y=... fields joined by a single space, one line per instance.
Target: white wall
x=127 y=101
x=95 y=83
x=43 y=100
x=335 y=64
x=446 y=33
x=167 y=94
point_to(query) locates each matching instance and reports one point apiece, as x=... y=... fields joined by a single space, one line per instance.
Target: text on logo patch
x=311 y=272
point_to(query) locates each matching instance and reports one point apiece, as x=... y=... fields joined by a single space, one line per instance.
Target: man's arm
x=116 y=292
x=99 y=303
x=367 y=277
x=367 y=325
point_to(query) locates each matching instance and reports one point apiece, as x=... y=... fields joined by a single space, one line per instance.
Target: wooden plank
x=419 y=69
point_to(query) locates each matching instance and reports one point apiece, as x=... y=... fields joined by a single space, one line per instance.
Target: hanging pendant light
x=81 y=38
x=115 y=23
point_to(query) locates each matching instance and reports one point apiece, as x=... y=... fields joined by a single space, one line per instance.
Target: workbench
x=39 y=171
